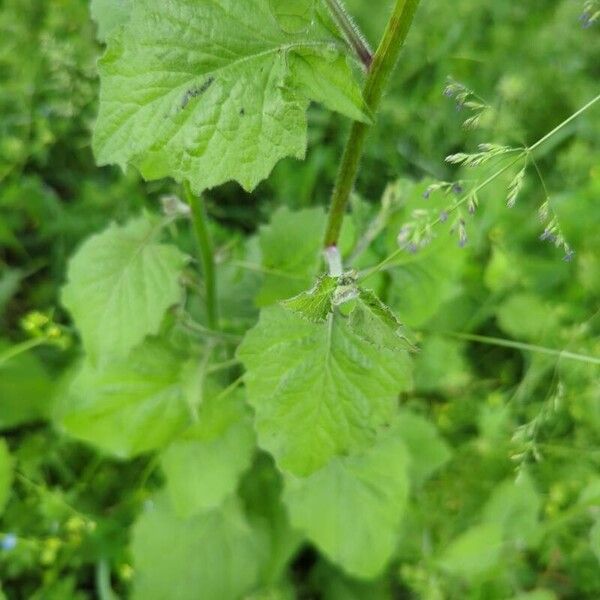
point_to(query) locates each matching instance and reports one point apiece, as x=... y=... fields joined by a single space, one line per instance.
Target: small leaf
x=291 y=253
x=352 y=508
x=204 y=464
x=474 y=553
x=6 y=474
x=10 y=280
x=26 y=390
x=441 y=365
x=128 y=407
x=515 y=506
x=374 y=322
x=428 y=451
x=327 y=83
x=528 y=316
x=212 y=556
x=318 y=390
x=120 y=284
x=316 y=304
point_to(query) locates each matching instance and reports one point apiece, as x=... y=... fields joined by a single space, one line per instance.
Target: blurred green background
x=506 y=411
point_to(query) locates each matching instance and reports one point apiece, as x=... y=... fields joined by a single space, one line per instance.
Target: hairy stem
x=378 y=78
x=205 y=251
x=351 y=32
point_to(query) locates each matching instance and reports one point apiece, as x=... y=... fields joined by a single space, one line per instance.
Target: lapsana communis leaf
x=318 y=390
x=212 y=91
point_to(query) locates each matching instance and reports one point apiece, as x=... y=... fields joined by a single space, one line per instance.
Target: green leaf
x=6 y=474
x=318 y=390
x=474 y=553
x=595 y=539
x=374 y=322
x=26 y=390
x=10 y=280
x=204 y=464
x=131 y=406
x=352 y=508
x=539 y=594
x=515 y=506
x=526 y=316
x=109 y=14
x=213 y=556
x=291 y=253
x=316 y=304
x=210 y=104
x=441 y=366
x=120 y=284
x=327 y=83
x=428 y=451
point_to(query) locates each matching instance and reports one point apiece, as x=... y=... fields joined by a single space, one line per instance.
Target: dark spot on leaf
x=194 y=92
x=242 y=112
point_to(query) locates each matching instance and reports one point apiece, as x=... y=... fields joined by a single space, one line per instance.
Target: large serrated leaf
x=212 y=91
x=120 y=283
x=318 y=389
x=352 y=508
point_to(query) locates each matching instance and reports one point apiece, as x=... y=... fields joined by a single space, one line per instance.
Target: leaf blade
x=120 y=284
x=318 y=390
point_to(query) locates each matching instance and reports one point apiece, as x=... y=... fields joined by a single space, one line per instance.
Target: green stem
x=593 y=360
x=378 y=78
x=21 y=348
x=205 y=250
x=562 y=125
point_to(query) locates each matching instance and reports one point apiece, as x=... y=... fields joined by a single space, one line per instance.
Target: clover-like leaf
x=215 y=90
x=318 y=389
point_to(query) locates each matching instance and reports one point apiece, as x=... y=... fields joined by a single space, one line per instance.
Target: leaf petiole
x=378 y=78
x=205 y=251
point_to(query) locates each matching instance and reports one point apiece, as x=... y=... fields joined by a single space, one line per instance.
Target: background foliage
x=501 y=494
